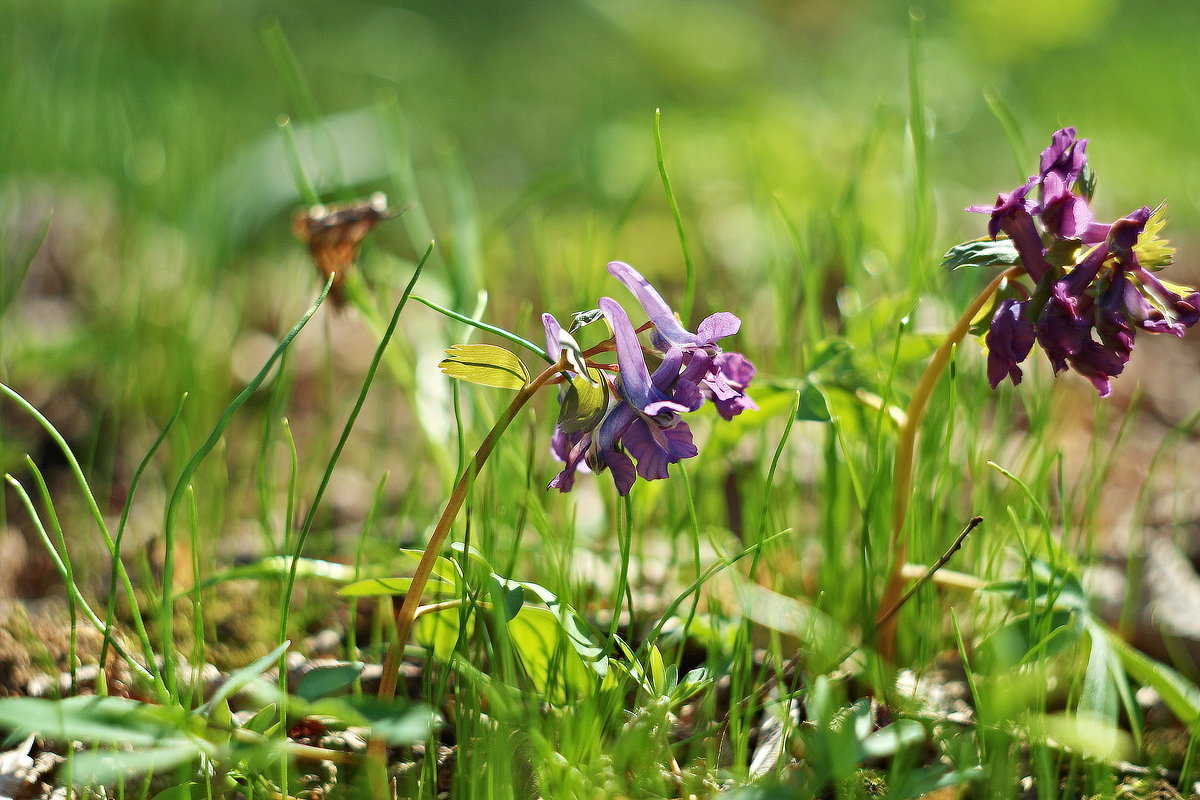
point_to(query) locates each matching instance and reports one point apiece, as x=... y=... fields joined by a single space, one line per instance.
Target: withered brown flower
x=333 y=234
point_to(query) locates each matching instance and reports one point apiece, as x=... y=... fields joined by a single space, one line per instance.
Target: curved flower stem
x=412 y=599
x=902 y=471
x=409 y=609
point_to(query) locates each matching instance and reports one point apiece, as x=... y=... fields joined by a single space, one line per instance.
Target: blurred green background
x=518 y=135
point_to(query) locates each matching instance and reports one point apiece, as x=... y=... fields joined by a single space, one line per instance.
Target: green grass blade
x=72 y=588
x=689 y=295
x=98 y=517
x=483 y=326
x=166 y=615
x=310 y=516
x=134 y=482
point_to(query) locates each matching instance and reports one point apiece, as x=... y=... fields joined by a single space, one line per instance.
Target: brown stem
x=412 y=599
x=407 y=614
x=902 y=473
x=886 y=617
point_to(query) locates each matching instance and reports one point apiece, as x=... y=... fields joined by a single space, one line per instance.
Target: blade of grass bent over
x=72 y=588
x=94 y=508
x=166 y=620
x=310 y=516
x=111 y=611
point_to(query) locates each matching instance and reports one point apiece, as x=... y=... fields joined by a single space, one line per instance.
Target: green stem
x=412 y=599
x=902 y=471
x=689 y=293
x=94 y=508
x=483 y=326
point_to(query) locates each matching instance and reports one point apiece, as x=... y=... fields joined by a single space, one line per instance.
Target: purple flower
x=639 y=430
x=1092 y=293
x=1009 y=341
x=726 y=375
x=1013 y=214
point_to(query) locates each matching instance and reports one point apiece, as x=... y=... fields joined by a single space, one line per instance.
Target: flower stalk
x=407 y=614
x=902 y=469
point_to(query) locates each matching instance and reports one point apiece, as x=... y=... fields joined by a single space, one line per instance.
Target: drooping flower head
x=1094 y=283
x=612 y=418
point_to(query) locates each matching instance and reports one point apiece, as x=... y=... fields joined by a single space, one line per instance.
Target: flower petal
x=717 y=326
x=634 y=376
x=1009 y=340
x=623 y=471
x=553 y=329
x=655 y=448
x=668 y=326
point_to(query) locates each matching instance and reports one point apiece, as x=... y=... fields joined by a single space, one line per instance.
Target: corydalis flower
x=1094 y=283
x=724 y=376
x=635 y=414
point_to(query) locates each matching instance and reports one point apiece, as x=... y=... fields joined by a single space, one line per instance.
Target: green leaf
x=1099 y=697
x=553 y=666
x=97 y=720
x=486 y=365
x=263 y=720
x=400 y=722
x=440 y=631
x=583 y=404
x=1181 y=695
x=238 y=680
x=828 y=351
x=813 y=407
x=1030 y=638
x=445 y=568
x=375 y=587
x=1048 y=585
x=890 y=740
x=106 y=766
x=324 y=681
x=509 y=598
x=571 y=624
x=925 y=781
x=279 y=567
x=982 y=253
x=184 y=791
x=445 y=578
x=1084 y=734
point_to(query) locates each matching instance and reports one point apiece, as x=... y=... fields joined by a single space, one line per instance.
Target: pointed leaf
x=813 y=407
x=376 y=587
x=890 y=740
x=280 y=567
x=486 y=365
x=982 y=253
x=509 y=598
x=400 y=722
x=572 y=625
x=553 y=666
x=106 y=766
x=1181 y=695
x=103 y=720
x=324 y=681
x=238 y=680
x=828 y=351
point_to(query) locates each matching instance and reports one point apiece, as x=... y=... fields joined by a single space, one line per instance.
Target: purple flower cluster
x=641 y=419
x=1094 y=284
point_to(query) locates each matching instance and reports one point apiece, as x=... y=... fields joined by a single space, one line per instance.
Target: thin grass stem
x=689 y=293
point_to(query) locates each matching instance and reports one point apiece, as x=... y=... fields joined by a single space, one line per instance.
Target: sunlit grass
x=814 y=205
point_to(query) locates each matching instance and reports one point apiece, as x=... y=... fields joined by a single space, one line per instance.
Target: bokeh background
x=520 y=136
